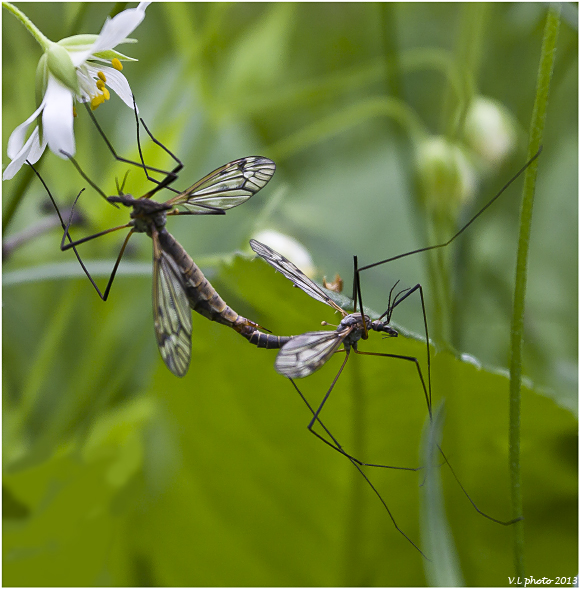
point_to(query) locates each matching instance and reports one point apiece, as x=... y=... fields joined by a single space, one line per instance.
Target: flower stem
x=43 y=41
x=545 y=69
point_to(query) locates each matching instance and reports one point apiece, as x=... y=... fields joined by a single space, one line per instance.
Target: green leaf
x=231 y=488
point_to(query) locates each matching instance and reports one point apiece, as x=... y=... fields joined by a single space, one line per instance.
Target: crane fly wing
x=306 y=353
x=228 y=186
x=171 y=312
x=288 y=269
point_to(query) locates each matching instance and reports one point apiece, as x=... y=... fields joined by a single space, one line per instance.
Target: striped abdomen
x=265 y=340
x=203 y=297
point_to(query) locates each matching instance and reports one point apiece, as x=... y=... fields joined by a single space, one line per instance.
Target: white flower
x=288 y=247
x=70 y=70
x=490 y=130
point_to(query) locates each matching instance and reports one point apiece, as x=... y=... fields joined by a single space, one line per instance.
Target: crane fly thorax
x=143 y=222
x=145 y=213
x=354 y=322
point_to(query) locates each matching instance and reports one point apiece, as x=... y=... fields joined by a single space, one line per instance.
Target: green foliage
x=118 y=473
x=125 y=474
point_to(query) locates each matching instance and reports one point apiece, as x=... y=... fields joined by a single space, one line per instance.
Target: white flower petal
x=16 y=140
x=37 y=149
x=57 y=118
x=31 y=151
x=91 y=71
x=14 y=166
x=116 y=29
x=117 y=82
x=79 y=57
x=87 y=76
x=57 y=104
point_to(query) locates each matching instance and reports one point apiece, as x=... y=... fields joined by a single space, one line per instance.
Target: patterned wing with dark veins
x=288 y=269
x=228 y=186
x=306 y=353
x=171 y=313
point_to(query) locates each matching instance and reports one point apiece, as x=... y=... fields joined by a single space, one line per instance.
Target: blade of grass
x=97 y=268
x=536 y=133
x=443 y=569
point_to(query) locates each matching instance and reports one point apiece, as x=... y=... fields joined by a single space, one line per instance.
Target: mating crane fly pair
x=179 y=285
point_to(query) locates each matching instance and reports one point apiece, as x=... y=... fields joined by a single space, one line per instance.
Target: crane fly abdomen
x=265 y=340
x=202 y=296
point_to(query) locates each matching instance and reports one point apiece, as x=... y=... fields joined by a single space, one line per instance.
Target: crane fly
x=304 y=354
x=178 y=283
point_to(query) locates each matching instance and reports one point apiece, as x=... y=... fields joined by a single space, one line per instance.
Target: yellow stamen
x=116 y=64
x=106 y=94
x=102 y=76
x=100 y=85
x=74 y=112
x=96 y=101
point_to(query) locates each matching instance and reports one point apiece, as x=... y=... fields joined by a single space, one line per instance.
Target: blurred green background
x=118 y=473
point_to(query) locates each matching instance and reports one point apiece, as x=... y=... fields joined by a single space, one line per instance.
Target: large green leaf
x=213 y=479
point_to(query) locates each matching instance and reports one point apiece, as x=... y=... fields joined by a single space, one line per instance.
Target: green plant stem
x=536 y=133
x=392 y=62
x=460 y=91
x=28 y=24
x=468 y=51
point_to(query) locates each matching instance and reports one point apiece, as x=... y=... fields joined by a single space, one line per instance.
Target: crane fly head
x=384 y=328
x=145 y=213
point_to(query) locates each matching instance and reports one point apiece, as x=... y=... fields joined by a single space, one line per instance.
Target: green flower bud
x=62 y=68
x=446 y=177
